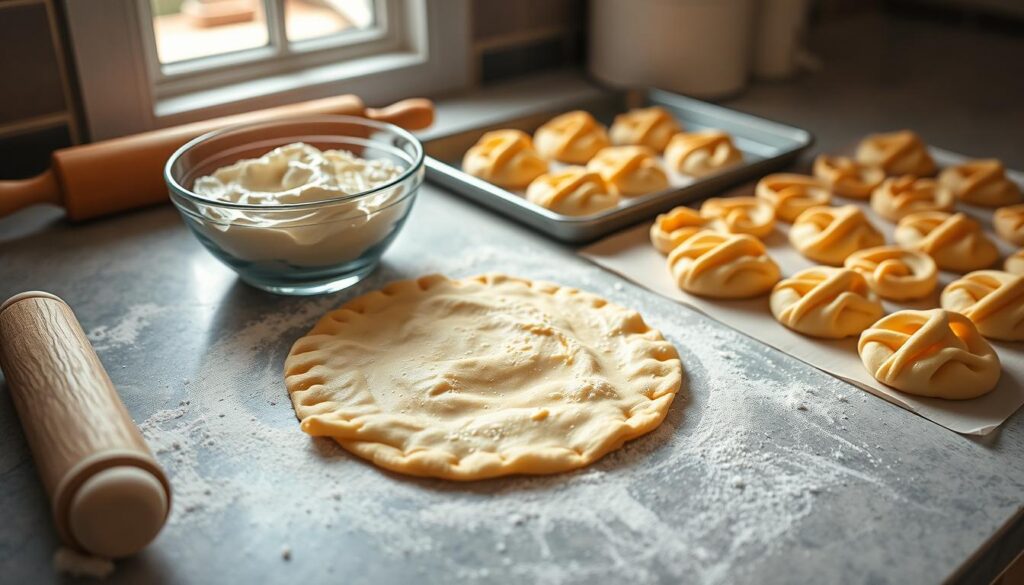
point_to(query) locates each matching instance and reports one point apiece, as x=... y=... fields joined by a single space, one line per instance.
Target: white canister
x=695 y=47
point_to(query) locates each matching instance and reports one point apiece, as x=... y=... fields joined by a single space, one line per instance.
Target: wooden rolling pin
x=109 y=496
x=114 y=175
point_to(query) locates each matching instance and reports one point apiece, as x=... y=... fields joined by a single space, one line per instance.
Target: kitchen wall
x=509 y=39
x=526 y=36
x=36 y=106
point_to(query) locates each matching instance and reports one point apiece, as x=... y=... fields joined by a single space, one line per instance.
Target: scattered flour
x=69 y=562
x=127 y=330
x=710 y=492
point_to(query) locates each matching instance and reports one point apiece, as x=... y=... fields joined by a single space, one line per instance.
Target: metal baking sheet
x=766 y=146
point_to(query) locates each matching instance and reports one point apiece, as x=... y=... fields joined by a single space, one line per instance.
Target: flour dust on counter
x=127 y=330
x=706 y=475
x=76 y=564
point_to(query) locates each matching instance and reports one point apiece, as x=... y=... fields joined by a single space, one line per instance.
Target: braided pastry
x=981 y=182
x=573 y=138
x=572 y=191
x=630 y=171
x=651 y=127
x=702 y=153
x=829 y=234
x=505 y=158
x=897 y=153
x=955 y=241
x=791 y=194
x=992 y=299
x=894 y=273
x=826 y=302
x=847 y=177
x=726 y=266
x=933 y=353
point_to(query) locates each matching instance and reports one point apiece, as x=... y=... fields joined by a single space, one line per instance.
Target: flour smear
x=126 y=332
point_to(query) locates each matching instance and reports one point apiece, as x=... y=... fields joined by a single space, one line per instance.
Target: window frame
x=424 y=44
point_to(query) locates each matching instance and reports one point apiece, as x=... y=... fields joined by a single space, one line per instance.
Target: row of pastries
x=717 y=252
x=605 y=165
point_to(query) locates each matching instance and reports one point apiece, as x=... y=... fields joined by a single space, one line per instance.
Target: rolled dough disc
x=481 y=377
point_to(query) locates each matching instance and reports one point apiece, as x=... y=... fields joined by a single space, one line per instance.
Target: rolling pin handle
x=15 y=195
x=411 y=114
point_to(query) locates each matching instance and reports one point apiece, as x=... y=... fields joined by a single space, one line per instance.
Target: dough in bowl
x=724 y=266
x=505 y=158
x=826 y=302
x=573 y=138
x=898 y=197
x=652 y=127
x=702 y=153
x=630 y=171
x=670 y=229
x=981 y=182
x=934 y=353
x=792 y=194
x=955 y=241
x=894 y=273
x=1015 y=262
x=739 y=215
x=572 y=191
x=481 y=377
x=847 y=177
x=897 y=153
x=1009 y=223
x=992 y=299
x=829 y=234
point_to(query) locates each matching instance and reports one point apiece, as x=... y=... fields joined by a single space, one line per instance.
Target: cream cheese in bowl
x=311 y=215
x=296 y=173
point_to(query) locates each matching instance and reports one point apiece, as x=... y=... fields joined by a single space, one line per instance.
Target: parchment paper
x=630 y=254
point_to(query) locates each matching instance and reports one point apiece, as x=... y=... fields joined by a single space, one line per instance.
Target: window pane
x=189 y=29
x=311 y=19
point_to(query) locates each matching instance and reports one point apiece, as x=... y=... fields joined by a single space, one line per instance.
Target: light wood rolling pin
x=114 y=175
x=109 y=496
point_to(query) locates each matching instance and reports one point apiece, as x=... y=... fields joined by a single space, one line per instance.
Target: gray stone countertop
x=765 y=471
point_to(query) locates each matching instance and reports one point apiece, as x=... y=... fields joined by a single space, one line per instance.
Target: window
x=153 y=63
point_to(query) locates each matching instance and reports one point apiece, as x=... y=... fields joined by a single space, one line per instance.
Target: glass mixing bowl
x=299 y=248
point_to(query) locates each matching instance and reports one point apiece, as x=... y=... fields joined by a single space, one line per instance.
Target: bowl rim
x=178 y=189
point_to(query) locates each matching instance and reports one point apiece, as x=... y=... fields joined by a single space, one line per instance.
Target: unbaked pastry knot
x=629 y=170
x=652 y=127
x=955 y=241
x=505 y=158
x=721 y=265
x=572 y=191
x=830 y=234
x=701 y=153
x=791 y=194
x=672 y=228
x=898 y=197
x=930 y=353
x=992 y=299
x=739 y=215
x=848 y=177
x=895 y=273
x=897 y=153
x=573 y=138
x=981 y=182
x=1009 y=223
x=826 y=302
x=1015 y=262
